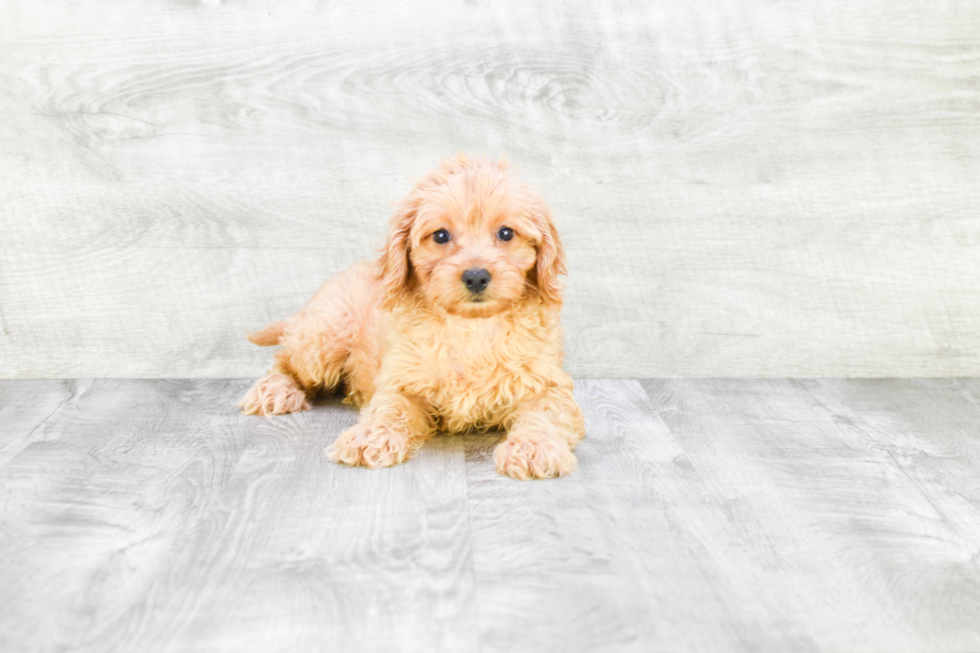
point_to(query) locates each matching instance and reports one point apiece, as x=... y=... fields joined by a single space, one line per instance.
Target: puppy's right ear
x=394 y=267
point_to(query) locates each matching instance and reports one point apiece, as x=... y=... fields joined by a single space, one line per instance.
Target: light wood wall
x=745 y=188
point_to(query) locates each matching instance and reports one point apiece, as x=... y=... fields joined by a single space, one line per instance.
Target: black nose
x=476 y=279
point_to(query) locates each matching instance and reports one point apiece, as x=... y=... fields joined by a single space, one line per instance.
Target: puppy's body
x=418 y=353
x=473 y=371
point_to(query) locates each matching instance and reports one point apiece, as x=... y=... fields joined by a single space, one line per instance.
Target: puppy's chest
x=472 y=370
x=472 y=357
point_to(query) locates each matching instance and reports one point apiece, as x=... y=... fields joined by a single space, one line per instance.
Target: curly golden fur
x=421 y=347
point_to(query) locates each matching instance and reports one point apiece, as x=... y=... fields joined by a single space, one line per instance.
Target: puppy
x=455 y=328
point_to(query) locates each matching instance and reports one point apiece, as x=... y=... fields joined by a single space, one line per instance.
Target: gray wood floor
x=714 y=515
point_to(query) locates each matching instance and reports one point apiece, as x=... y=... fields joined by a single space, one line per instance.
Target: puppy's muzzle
x=476 y=280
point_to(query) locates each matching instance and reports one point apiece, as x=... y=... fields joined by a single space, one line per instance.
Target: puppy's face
x=471 y=250
x=470 y=242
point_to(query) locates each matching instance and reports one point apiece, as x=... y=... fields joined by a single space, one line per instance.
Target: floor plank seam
x=73 y=385
x=478 y=637
x=901 y=468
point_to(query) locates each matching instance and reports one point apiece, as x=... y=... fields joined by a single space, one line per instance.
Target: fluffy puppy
x=455 y=328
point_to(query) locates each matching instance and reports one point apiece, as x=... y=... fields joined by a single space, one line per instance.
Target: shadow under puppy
x=455 y=328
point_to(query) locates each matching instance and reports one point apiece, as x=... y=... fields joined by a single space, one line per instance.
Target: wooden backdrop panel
x=745 y=188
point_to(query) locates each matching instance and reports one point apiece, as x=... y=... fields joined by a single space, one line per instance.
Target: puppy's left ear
x=551 y=256
x=394 y=267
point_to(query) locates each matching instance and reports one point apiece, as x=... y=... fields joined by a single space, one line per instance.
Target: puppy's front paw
x=274 y=394
x=372 y=445
x=523 y=457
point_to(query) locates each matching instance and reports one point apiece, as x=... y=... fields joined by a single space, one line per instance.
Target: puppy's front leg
x=543 y=431
x=390 y=429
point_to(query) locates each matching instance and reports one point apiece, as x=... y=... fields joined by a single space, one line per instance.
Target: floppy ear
x=394 y=267
x=551 y=257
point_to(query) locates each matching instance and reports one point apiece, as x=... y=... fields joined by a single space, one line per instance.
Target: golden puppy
x=456 y=327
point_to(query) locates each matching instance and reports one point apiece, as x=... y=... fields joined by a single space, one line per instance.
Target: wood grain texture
x=25 y=407
x=596 y=561
x=301 y=554
x=825 y=523
x=96 y=507
x=745 y=188
x=738 y=515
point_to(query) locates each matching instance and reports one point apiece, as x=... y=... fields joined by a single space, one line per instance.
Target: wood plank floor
x=830 y=515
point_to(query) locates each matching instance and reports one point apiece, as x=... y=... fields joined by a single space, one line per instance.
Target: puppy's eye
x=441 y=236
x=505 y=233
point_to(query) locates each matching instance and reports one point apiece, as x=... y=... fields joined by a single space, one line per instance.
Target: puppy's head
x=468 y=240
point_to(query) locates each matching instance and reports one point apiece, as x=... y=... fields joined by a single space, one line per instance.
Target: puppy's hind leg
x=275 y=394
x=316 y=345
x=311 y=359
x=278 y=392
